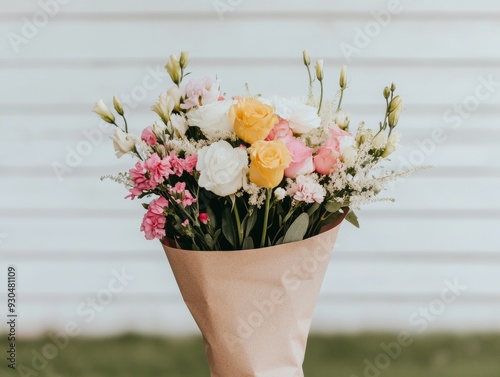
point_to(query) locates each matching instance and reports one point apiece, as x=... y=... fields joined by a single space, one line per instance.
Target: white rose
x=179 y=123
x=222 y=168
x=123 y=143
x=349 y=156
x=392 y=144
x=212 y=119
x=302 y=118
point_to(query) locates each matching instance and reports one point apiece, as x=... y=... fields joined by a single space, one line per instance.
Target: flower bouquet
x=247 y=194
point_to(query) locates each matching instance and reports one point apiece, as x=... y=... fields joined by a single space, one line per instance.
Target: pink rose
x=148 y=136
x=280 y=131
x=337 y=132
x=302 y=161
x=326 y=160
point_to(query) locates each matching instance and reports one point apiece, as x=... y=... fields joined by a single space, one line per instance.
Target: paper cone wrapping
x=254 y=307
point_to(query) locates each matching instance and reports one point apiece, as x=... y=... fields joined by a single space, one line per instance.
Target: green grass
x=332 y=356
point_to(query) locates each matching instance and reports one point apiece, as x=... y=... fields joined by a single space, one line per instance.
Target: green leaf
x=333 y=206
x=352 y=218
x=209 y=240
x=280 y=240
x=248 y=243
x=298 y=229
x=249 y=222
x=313 y=209
x=228 y=228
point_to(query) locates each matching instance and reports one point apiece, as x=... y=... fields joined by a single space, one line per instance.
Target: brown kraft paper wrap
x=254 y=307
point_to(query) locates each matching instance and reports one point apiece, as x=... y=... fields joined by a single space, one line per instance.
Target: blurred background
x=428 y=263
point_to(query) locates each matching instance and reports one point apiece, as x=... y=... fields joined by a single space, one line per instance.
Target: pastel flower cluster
x=233 y=173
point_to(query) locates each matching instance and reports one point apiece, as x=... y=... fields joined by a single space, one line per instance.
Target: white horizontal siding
x=67 y=236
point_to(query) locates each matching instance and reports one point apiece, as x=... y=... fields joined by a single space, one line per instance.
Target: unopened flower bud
x=102 y=110
x=319 y=69
x=393 y=87
x=394 y=117
x=174 y=69
x=184 y=60
x=342 y=80
x=117 y=105
x=395 y=103
x=307 y=60
x=387 y=92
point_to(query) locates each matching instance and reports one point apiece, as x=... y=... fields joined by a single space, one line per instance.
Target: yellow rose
x=252 y=120
x=269 y=159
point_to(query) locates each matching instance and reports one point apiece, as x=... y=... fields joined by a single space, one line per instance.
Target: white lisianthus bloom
x=392 y=144
x=222 y=168
x=379 y=141
x=102 y=110
x=179 y=123
x=163 y=107
x=302 y=118
x=349 y=156
x=212 y=119
x=123 y=142
x=175 y=93
x=342 y=120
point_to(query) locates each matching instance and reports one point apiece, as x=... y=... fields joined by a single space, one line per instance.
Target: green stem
x=126 y=124
x=310 y=76
x=321 y=97
x=340 y=99
x=266 y=218
x=238 y=224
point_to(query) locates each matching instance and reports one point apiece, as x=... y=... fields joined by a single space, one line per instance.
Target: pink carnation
x=306 y=189
x=153 y=226
x=148 y=174
x=200 y=92
x=204 y=218
x=157 y=206
x=148 y=136
x=182 y=195
x=189 y=163
x=153 y=223
x=177 y=164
